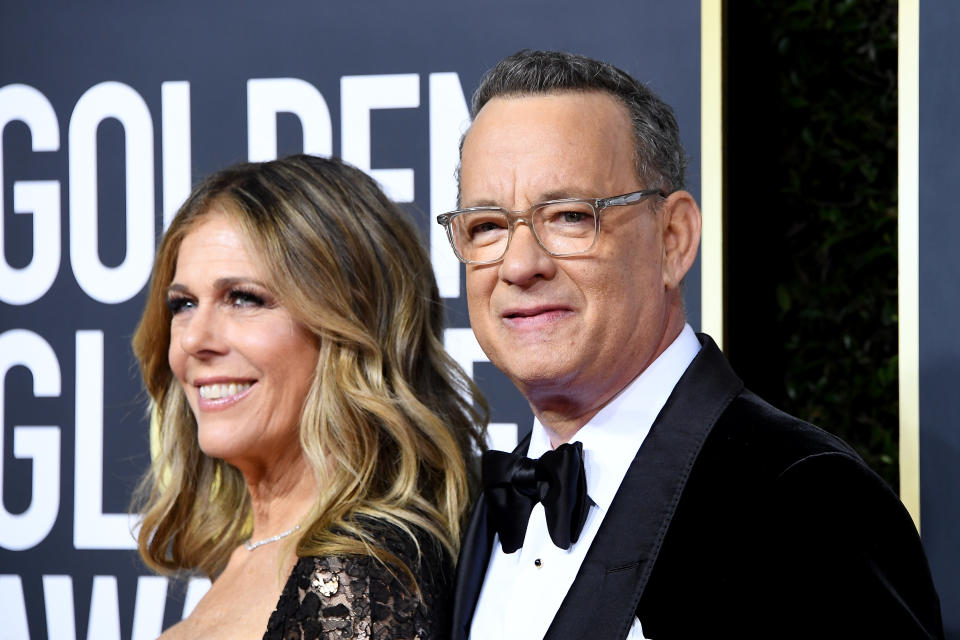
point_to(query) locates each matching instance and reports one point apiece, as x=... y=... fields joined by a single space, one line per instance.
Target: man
x=706 y=512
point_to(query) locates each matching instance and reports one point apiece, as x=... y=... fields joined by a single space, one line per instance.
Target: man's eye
x=571 y=217
x=176 y=304
x=485 y=227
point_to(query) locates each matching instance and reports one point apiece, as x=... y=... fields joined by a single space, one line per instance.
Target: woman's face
x=243 y=361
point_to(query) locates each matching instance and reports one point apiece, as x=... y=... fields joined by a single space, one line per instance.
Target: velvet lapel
x=475 y=550
x=604 y=596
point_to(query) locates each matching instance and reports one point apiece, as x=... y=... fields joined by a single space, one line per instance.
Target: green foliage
x=838 y=303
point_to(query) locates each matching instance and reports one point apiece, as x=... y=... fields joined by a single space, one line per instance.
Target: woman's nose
x=202 y=332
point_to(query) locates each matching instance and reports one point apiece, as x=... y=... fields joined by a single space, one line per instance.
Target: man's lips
x=534 y=317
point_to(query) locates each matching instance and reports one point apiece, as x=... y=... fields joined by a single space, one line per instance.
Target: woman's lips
x=220 y=395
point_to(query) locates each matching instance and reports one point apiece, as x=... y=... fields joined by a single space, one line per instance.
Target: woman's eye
x=178 y=304
x=241 y=298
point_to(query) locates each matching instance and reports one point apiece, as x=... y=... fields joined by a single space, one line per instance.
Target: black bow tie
x=513 y=484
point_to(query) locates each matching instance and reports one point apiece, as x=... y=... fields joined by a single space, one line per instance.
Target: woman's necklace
x=280 y=536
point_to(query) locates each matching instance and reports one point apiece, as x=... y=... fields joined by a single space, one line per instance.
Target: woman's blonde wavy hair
x=389 y=422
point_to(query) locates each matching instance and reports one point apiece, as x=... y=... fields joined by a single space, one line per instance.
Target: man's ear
x=680 y=224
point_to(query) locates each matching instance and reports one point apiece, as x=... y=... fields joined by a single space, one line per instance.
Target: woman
x=312 y=431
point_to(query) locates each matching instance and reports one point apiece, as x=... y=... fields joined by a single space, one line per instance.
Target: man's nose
x=525 y=260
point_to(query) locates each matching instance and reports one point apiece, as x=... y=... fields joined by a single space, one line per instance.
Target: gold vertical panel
x=908 y=247
x=711 y=154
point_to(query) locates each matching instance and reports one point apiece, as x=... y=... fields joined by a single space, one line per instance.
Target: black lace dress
x=334 y=597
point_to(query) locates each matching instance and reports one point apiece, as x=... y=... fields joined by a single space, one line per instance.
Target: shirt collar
x=612 y=438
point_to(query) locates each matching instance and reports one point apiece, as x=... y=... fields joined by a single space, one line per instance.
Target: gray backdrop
x=109 y=111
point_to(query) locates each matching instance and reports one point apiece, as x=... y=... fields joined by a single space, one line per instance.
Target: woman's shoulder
x=361 y=596
x=412 y=545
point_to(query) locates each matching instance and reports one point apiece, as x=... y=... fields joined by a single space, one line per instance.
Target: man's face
x=577 y=329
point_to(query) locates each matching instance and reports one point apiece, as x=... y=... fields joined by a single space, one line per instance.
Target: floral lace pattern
x=357 y=597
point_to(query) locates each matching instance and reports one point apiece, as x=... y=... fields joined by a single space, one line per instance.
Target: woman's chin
x=220 y=445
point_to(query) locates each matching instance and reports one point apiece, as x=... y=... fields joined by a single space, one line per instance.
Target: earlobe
x=681 y=236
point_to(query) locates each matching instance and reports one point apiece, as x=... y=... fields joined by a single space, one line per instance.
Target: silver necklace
x=280 y=536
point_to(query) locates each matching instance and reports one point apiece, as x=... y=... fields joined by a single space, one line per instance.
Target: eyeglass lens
x=562 y=229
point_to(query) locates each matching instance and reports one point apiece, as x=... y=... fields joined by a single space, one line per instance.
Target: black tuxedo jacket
x=737 y=520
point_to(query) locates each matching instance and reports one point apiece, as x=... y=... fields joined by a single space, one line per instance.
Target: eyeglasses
x=568 y=227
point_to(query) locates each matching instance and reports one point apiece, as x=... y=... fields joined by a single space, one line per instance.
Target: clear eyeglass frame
x=515 y=217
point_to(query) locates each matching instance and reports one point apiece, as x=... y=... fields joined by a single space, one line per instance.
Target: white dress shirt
x=522 y=591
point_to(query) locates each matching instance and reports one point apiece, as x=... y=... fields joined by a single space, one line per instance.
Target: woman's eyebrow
x=227 y=282
x=219 y=283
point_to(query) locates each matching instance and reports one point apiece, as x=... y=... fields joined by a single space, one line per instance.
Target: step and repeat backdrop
x=109 y=112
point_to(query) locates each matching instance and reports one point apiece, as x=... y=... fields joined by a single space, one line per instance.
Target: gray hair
x=660 y=159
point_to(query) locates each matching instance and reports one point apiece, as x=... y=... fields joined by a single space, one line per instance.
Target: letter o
x=111 y=285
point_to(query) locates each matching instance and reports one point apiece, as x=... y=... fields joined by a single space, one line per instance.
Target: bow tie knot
x=524 y=479
x=513 y=484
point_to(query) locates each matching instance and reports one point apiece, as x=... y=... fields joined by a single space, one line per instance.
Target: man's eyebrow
x=553 y=194
x=482 y=203
x=560 y=194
